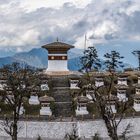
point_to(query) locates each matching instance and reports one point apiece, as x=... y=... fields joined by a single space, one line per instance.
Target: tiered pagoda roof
x=121 y=87
x=122 y=75
x=57 y=44
x=83 y=99
x=46 y=99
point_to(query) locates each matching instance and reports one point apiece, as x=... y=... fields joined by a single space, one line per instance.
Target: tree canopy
x=113 y=60
x=90 y=59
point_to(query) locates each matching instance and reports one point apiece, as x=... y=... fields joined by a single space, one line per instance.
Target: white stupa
x=74 y=84
x=139 y=79
x=122 y=92
x=33 y=100
x=99 y=80
x=22 y=110
x=44 y=87
x=57 y=56
x=2 y=84
x=82 y=105
x=122 y=79
x=111 y=103
x=45 y=105
x=90 y=95
x=136 y=105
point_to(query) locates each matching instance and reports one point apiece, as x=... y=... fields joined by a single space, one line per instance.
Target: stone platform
x=30 y=130
x=60 y=91
x=61 y=73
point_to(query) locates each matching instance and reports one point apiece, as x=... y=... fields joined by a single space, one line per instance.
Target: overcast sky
x=25 y=24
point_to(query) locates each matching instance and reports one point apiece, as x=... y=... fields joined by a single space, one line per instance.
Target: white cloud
x=27 y=24
x=135 y=37
x=31 y=37
x=107 y=27
x=31 y=6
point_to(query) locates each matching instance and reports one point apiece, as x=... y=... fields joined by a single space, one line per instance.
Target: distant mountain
x=6 y=60
x=35 y=57
x=39 y=58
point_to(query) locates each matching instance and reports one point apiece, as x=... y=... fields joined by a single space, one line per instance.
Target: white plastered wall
x=138 y=80
x=57 y=65
x=136 y=107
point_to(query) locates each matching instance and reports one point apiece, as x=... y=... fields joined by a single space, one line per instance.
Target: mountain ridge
x=38 y=58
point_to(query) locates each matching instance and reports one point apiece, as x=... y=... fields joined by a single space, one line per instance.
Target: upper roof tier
x=122 y=75
x=56 y=45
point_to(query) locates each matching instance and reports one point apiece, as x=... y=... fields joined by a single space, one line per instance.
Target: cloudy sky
x=26 y=24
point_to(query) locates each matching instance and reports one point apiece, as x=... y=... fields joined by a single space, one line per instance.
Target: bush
x=39 y=138
x=5 y=108
x=52 y=107
x=96 y=137
x=32 y=109
x=93 y=109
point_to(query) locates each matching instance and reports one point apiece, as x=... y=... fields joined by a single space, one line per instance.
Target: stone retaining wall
x=57 y=130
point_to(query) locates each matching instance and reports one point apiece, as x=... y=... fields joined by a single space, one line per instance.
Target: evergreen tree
x=137 y=54
x=113 y=60
x=90 y=59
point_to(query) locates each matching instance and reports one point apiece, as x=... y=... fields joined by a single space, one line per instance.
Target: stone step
x=63 y=109
x=62 y=95
x=60 y=82
x=60 y=90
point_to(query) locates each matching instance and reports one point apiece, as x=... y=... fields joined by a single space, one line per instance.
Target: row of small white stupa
x=83 y=100
x=121 y=87
x=45 y=102
x=137 y=96
x=34 y=100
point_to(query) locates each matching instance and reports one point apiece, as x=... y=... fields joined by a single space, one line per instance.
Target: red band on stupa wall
x=57 y=57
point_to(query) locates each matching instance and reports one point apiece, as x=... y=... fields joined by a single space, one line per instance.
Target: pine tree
x=137 y=54
x=90 y=59
x=113 y=60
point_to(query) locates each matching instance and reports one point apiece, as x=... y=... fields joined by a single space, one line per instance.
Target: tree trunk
x=114 y=134
x=112 y=130
x=114 y=137
x=15 y=127
x=14 y=137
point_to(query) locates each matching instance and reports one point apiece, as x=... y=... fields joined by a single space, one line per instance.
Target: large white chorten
x=57 y=56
